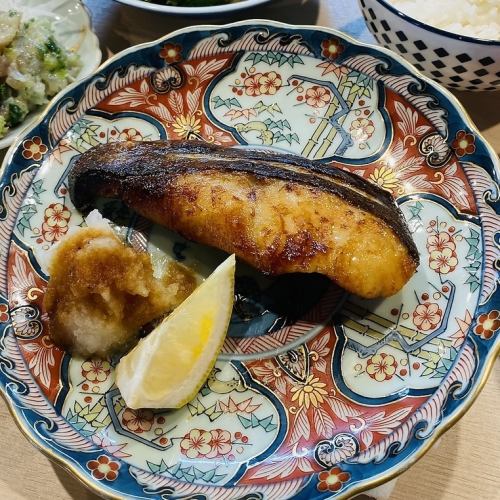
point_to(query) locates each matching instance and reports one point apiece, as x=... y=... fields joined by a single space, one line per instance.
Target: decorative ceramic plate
x=316 y=393
x=158 y=6
x=71 y=23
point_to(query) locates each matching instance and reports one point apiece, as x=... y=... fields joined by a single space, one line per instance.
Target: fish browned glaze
x=278 y=212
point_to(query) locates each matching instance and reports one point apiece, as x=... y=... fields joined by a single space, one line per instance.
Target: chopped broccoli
x=5 y=93
x=14 y=114
x=51 y=55
x=3 y=126
x=14 y=110
x=10 y=54
x=52 y=62
x=61 y=73
x=52 y=46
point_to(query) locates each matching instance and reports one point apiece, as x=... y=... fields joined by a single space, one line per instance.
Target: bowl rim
x=485 y=370
x=192 y=11
x=434 y=29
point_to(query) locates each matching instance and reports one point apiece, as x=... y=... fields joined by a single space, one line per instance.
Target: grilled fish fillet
x=280 y=213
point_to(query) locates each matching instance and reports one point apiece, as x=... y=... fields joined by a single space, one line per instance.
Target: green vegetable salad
x=33 y=67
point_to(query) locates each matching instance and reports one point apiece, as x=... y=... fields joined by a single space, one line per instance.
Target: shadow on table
x=434 y=486
x=76 y=490
x=126 y=26
x=476 y=104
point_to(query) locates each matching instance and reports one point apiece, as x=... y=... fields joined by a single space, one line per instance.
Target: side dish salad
x=33 y=67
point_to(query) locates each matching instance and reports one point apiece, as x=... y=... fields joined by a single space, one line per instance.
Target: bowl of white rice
x=454 y=42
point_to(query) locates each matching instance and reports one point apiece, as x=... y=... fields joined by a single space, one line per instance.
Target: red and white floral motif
x=438 y=242
x=34 y=149
x=444 y=261
x=272 y=376
x=171 y=53
x=55 y=225
x=196 y=443
x=103 y=468
x=463 y=143
x=381 y=367
x=487 y=324
x=333 y=479
x=408 y=125
x=215 y=136
x=331 y=48
x=317 y=97
x=96 y=370
x=205 y=70
x=130 y=134
x=42 y=360
x=380 y=422
x=413 y=174
x=4 y=313
x=138 y=421
x=56 y=214
x=427 y=316
x=362 y=129
x=441 y=247
x=208 y=444
x=220 y=443
x=252 y=85
x=133 y=98
x=22 y=280
x=269 y=83
x=262 y=84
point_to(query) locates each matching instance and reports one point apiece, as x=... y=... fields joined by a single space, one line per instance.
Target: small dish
x=456 y=61
x=72 y=25
x=194 y=11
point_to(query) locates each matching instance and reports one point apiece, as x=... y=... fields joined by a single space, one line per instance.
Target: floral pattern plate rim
x=316 y=393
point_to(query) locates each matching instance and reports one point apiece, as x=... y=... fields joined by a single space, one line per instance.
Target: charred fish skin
x=107 y=167
x=124 y=160
x=280 y=213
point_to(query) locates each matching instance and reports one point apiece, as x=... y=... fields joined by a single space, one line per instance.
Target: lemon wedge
x=167 y=368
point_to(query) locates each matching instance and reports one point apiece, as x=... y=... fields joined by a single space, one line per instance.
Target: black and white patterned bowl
x=457 y=61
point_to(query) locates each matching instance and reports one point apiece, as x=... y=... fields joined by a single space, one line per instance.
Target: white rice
x=475 y=18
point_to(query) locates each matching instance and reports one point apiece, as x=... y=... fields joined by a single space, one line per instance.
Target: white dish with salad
x=44 y=46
